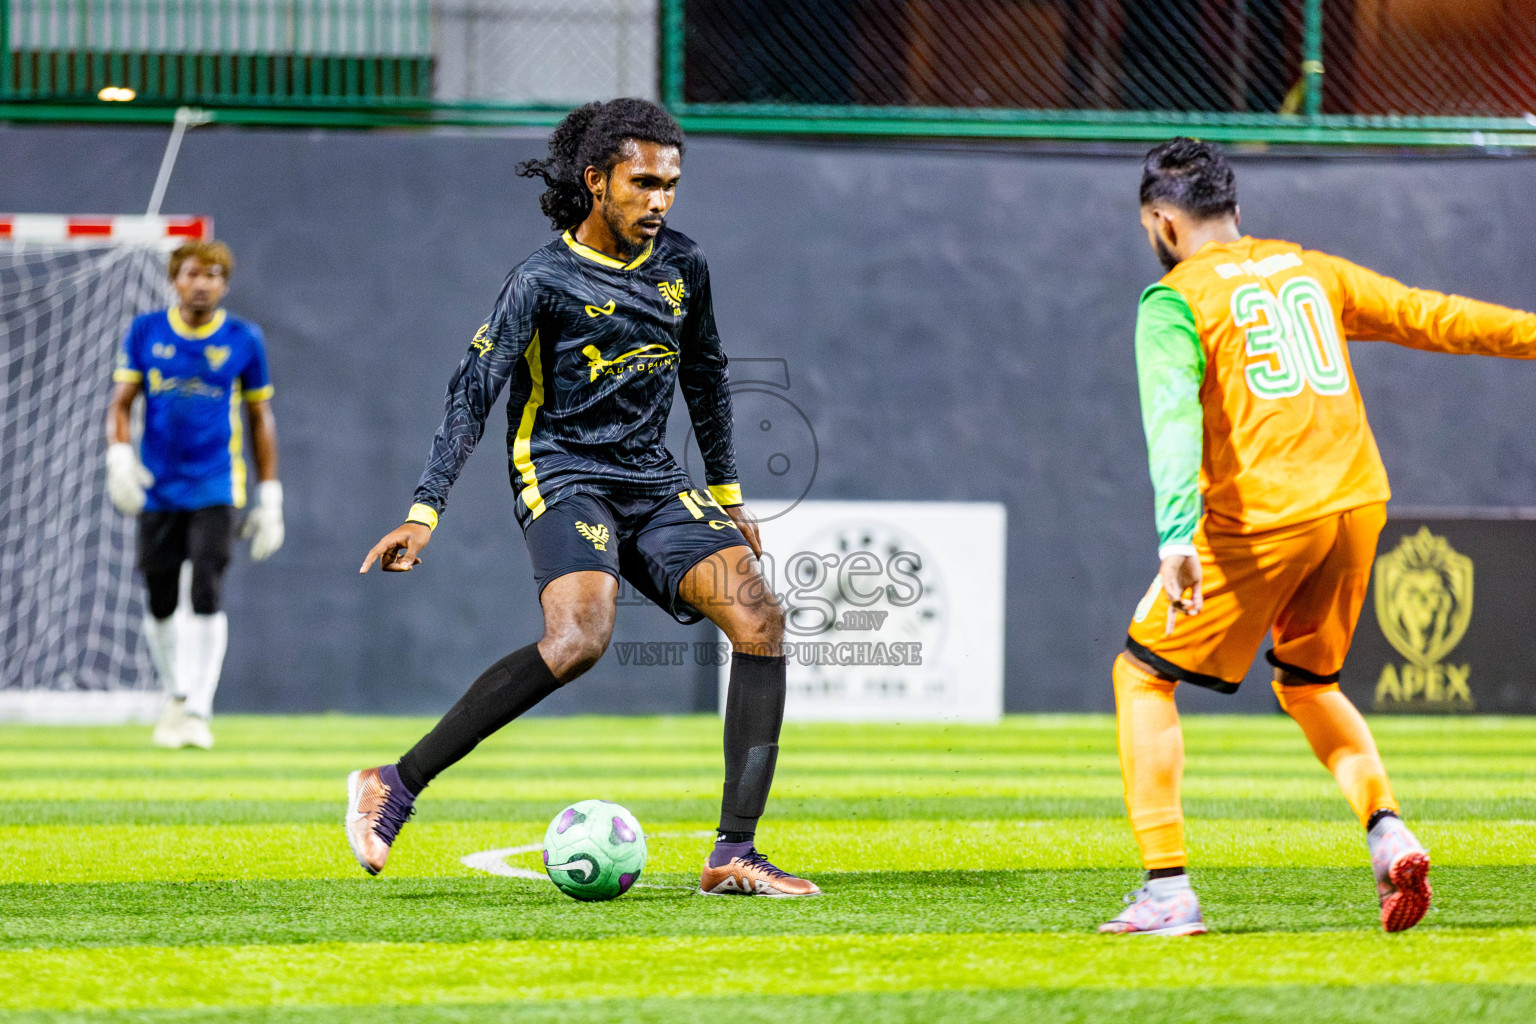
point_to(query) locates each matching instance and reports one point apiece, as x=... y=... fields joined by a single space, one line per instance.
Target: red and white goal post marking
x=45 y=228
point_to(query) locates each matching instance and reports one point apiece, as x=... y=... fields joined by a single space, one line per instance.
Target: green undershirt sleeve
x=1170 y=366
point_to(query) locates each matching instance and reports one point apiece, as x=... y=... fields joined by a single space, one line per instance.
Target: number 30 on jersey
x=1291 y=339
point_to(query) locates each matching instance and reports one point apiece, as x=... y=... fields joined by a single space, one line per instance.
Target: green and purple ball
x=594 y=850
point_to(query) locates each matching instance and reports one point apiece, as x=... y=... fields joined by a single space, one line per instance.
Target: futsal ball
x=594 y=850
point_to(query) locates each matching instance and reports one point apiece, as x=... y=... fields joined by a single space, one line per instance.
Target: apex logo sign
x=1424 y=606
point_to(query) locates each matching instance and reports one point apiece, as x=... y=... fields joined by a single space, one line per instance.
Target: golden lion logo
x=1424 y=606
x=1424 y=597
x=216 y=355
x=598 y=534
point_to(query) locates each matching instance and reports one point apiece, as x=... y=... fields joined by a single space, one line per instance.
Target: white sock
x=161 y=637
x=1391 y=823
x=204 y=639
x=1162 y=889
x=186 y=659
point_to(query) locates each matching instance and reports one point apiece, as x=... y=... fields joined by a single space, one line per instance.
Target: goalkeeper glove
x=264 y=524
x=126 y=478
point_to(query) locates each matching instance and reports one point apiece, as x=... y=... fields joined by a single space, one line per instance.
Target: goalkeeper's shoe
x=195 y=732
x=378 y=804
x=750 y=874
x=1176 y=913
x=1401 y=865
x=168 y=729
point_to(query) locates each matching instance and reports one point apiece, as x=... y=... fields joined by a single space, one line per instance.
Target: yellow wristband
x=426 y=515
x=726 y=494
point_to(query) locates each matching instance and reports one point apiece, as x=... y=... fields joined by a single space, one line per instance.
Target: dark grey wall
x=956 y=321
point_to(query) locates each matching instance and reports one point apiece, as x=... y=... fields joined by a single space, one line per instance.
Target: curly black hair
x=594 y=136
x=1193 y=176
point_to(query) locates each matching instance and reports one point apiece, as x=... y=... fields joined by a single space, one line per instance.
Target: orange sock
x=1342 y=741
x=1151 y=763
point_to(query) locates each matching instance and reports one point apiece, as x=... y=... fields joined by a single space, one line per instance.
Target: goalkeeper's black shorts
x=204 y=537
x=649 y=543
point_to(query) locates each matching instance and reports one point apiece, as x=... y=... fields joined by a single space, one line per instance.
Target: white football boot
x=168 y=730
x=1162 y=906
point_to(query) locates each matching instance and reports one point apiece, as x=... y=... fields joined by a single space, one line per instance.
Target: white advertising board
x=895 y=609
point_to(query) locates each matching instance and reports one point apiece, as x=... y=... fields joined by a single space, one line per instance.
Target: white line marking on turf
x=495 y=861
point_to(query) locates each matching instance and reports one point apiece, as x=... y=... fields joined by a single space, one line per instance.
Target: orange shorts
x=1306 y=582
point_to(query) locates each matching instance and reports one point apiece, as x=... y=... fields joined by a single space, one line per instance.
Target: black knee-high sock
x=754 y=711
x=504 y=691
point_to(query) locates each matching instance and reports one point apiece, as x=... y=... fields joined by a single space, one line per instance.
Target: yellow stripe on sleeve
x=726 y=494
x=259 y=395
x=426 y=515
x=126 y=376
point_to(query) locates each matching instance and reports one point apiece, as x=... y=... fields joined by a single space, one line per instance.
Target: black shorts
x=205 y=536
x=649 y=543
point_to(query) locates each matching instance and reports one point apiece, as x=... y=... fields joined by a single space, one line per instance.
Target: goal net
x=71 y=609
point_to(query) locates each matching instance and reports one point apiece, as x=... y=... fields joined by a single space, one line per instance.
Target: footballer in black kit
x=589 y=339
x=590 y=350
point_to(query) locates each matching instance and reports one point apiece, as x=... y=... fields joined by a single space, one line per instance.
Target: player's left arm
x=706 y=382
x=264 y=523
x=1378 y=308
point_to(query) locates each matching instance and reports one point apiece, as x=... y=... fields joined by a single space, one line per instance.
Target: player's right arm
x=481 y=375
x=126 y=476
x=1377 y=308
x=1170 y=367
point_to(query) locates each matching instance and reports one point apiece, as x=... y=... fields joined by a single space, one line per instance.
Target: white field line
x=495 y=861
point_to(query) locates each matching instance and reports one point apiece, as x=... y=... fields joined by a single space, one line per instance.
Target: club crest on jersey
x=644 y=359
x=482 y=342
x=598 y=534
x=216 y=355
x=674 y=293
x=596 y=311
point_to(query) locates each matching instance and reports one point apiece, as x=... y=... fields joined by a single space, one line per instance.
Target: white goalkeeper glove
x=264 y=524
x=126 y=478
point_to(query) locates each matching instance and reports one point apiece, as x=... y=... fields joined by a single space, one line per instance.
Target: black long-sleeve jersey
x=593 y=348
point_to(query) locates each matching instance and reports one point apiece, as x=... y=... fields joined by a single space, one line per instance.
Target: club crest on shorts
x=598 y=534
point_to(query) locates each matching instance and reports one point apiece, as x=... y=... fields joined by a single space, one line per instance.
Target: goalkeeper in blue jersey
x=196 y=367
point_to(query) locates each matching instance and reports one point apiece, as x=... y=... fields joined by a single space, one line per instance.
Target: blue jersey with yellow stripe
x=194 y=380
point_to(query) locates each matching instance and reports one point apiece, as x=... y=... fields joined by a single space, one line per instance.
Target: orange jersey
x=1257 y=329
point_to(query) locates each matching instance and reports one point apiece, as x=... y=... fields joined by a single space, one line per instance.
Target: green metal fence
x=1449 y=72
x=1355 y=72
x=248 y=53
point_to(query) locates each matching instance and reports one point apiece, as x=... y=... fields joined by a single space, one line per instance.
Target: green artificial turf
x=965 y=869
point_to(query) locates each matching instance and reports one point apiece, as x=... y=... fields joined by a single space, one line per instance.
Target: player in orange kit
x=1249 y=403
